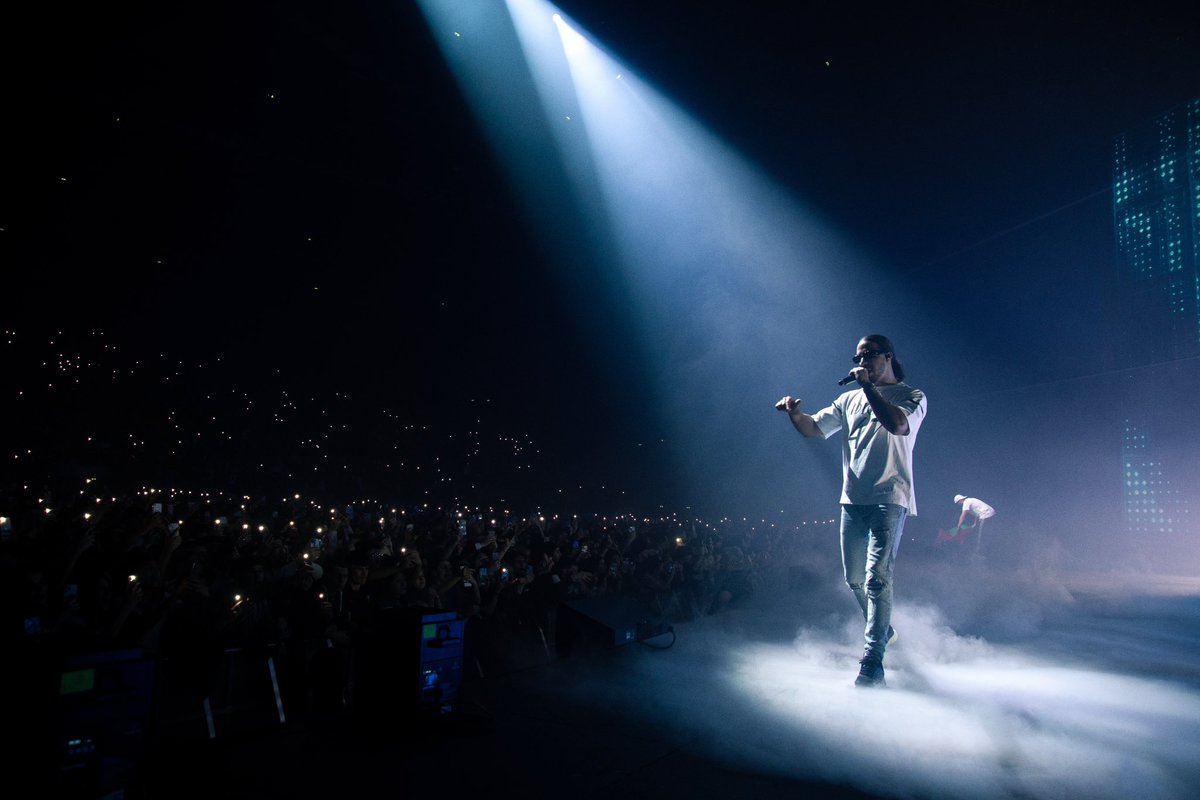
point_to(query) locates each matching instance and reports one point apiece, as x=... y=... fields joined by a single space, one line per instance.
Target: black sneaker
x=870 y=673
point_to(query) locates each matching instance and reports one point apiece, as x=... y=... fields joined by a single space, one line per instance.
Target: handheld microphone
x=845 y=380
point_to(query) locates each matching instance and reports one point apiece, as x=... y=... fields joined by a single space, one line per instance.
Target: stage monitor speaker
x=593 y=624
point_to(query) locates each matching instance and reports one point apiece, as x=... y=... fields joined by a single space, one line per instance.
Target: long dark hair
x=884 y=344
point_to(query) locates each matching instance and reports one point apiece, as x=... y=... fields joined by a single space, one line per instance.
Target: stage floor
x=999 y=686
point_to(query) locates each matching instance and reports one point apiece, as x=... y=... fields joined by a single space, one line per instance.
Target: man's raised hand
x=788 y=404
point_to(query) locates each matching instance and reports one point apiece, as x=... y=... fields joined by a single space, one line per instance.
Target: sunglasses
x=858 y=358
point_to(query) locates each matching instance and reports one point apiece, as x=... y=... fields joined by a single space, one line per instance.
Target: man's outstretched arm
x=801 y=421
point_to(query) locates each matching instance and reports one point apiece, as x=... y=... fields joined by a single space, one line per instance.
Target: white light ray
x=731 y=276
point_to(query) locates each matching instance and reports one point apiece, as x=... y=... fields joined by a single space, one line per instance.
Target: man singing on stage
x=879 y=420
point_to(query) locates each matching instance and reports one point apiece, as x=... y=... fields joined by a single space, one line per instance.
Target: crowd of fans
x=187 y=580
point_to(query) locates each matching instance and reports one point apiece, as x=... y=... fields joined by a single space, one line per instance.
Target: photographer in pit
x=734 y=578
x=658 y=576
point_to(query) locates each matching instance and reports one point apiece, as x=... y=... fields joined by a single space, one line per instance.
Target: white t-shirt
x=978 y=508
x=876 y=465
